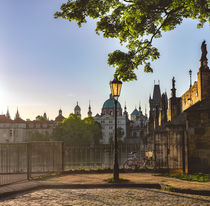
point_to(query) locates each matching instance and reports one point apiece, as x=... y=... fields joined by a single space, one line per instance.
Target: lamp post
x=190 y=73
x=115 y=87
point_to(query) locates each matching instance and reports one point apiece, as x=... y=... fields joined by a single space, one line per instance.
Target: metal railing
x=21 y=161
x=96 y=156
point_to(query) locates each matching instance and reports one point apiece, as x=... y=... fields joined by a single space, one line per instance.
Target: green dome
x=135 y=112
x=77 y=107
x=109 y=104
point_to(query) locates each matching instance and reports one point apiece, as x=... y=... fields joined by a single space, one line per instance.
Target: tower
x=17 y=116
x=77 y=110
x=163 y=109
x=203 y=74
x=125 y=113
x=45 y=116
x=8 y=114
x=89 y=111
x=175 y=105
x=60 y=117
x=60 y=112
x=154 y=103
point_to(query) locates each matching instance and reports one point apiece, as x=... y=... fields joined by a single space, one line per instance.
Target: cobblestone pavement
x=96 y=197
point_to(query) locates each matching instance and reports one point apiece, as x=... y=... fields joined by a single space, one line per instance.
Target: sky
x=47 y=64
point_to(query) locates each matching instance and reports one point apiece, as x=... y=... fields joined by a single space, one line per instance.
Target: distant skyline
x=47 y=64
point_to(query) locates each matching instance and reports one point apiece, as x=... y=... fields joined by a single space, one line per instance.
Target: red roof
x=18 y=120
x=4 y=119
x=59 y=118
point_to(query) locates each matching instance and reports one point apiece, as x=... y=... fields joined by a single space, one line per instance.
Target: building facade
x=106 y=119
x=181 y=141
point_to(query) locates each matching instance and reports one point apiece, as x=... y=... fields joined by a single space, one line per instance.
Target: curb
x=185 y=191
x=163 y=187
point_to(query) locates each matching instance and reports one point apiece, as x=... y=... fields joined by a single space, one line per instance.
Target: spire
x=156 y=94
x=7 y=114
x=89 y=106
x=60 y=112
x=145 y=111
x=17 y=114
x=125 y=108
x=89 y=110
x=45 y=115
x=139 y=106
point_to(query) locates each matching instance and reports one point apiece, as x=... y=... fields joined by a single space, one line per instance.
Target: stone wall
x=198 y=134
x=168 y=148
x=190 y=97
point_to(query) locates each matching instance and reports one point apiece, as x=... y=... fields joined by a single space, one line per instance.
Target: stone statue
x=173 y=82
x=204 y=50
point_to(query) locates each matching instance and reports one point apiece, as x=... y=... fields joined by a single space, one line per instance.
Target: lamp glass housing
x=115 y=87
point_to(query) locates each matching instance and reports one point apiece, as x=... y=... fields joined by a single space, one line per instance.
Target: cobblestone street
x=98 y=197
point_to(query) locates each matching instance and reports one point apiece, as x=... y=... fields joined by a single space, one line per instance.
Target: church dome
x=135 y=112
x=77 y=107
x=109 y=104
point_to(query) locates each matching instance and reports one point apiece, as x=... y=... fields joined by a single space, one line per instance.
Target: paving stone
x=99 y=197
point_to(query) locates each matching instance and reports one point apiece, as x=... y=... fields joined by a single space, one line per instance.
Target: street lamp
x=115 y=87
x=190 y=72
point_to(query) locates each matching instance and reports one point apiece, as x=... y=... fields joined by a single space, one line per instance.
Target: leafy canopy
x=135 y=23
x=74 y=131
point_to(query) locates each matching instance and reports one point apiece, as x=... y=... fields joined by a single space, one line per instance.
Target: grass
x=111 y=180
x=198 y=177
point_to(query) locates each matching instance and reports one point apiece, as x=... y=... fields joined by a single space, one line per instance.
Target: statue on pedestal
x=204 y=50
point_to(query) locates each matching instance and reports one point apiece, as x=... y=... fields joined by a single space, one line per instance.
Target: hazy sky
x=47 y=63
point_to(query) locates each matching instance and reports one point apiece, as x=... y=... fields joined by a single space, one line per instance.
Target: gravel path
x=96 y=197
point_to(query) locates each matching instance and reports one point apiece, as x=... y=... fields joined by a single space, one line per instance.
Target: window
x=110 y=121
x=197 y=90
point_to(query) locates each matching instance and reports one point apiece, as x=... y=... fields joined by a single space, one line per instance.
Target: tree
x=135 y=23
x=74 y=131
x=38 y=136
x=94 y=129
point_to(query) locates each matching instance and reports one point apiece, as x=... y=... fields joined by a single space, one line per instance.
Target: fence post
x=28 y=149
x=62 y=156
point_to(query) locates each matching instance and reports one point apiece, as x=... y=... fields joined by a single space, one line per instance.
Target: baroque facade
x=131 y=130
x=18 y=130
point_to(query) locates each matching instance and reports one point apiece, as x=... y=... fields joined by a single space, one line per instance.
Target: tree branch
x=128 y=1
